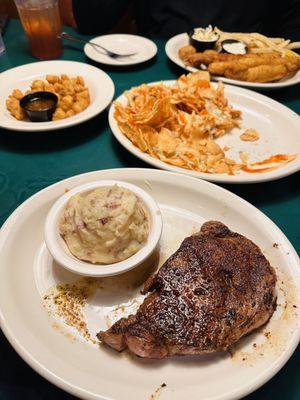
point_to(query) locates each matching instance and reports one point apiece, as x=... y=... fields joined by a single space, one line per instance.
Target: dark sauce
x=40 y=104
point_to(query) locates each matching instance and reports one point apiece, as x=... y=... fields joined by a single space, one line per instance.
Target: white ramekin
x=62 y=255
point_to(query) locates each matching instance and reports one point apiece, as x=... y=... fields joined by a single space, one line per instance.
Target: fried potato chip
x=178 y=124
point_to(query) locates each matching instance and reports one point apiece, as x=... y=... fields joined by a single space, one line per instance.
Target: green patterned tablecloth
x=30 y=162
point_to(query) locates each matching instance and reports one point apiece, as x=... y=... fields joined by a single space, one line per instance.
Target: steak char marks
x=216 y=288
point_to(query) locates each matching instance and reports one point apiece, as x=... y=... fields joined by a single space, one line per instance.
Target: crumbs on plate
x=67 y=301
x=250 y=135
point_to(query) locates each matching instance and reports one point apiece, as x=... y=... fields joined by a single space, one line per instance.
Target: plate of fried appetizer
x=218 y=298
x=51 y=95
x=245 y=59
x=208 y=130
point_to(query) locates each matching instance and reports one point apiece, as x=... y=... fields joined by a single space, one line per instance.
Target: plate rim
x=68 y=122
x=76 y=390
x=253 y=178
x=151 y=42
x=258 y=85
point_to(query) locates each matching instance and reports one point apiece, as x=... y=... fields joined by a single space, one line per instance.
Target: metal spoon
x=112 y=54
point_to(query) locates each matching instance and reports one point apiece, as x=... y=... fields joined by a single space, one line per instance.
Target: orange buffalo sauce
x=277 y=159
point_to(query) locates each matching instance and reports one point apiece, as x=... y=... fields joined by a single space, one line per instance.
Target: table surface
x=30 y=162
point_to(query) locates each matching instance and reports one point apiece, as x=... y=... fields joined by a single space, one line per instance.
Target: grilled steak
x=216 y=288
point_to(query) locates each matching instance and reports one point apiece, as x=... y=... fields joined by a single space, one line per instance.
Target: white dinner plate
x=90 y=371
x=100 y=86
x=278 y=127
x=121 y=43
x=178 y=41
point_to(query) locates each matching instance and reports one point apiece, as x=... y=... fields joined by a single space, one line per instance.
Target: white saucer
x=122 y=44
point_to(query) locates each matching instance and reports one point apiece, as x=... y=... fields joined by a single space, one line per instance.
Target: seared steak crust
x=217 y=287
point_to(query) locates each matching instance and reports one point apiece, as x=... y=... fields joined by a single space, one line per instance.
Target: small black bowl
x=45 y=113
x=229 y=42
x=201 y=46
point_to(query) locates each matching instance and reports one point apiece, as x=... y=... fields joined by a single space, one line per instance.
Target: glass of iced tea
x=41 y=22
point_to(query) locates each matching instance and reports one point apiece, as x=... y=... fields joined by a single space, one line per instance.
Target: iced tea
x=41 y=22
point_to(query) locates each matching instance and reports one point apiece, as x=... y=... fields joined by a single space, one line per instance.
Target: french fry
x=256 y=41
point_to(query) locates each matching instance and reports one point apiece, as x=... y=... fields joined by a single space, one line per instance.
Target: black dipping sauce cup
x=44 y=114
x=200 y=45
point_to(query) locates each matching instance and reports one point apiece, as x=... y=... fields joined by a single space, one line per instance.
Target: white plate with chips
x=176 y=42
x=100 y=85
x=278 y=127
x=121 y=43
x=69 y=359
